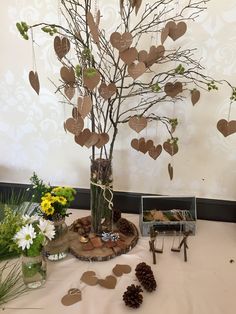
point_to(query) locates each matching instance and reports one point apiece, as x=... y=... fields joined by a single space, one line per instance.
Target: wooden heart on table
x=195 y=96
x=173 y=90
x=91 y=78
x=68 y=75
x=89 y=277
x=103 y=139
x=171 y=148
x=61 y=46
x=129 y=55
x=136 y=70
x=34 y=81
x=74 y=126
x=82 y=137
x=176 y=30
x=109 y=282
x=107 y=91
x=84 y=105
x=121 y=41
x=226 y=127
x=73 y=296
x=121 y=269
x=137 y=123
x=155 y=151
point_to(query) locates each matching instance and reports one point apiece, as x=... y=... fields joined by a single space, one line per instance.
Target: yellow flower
x=62 y=200
x=46 y=207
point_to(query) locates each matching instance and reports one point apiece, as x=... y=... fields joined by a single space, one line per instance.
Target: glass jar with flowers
x=31 y=238
x=54 y=205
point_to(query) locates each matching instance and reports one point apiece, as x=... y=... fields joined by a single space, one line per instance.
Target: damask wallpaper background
x=32 y=134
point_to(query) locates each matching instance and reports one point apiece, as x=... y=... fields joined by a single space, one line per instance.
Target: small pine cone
x=125 y=227
x=116 y=215
x=145 y=276
x=132 y=296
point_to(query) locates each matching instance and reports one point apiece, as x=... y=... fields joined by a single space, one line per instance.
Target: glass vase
x=101 y=195
x=57 y=248
x=34 y=270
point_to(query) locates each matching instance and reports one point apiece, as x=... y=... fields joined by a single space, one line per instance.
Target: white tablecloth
x=206 y=284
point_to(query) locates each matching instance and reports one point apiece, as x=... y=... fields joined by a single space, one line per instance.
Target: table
x=206 y=284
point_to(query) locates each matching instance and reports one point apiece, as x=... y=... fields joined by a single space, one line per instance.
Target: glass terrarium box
x=168 y=214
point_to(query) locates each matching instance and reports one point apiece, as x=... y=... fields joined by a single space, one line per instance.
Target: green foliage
x=180 y=69
x=35 y=248
x=173 y=140
x=233 y=97
x=78 y=70
x=155 y=88
x=173 y=122
x=90 y=72
x=212 y=86
x=86 y=54
x=23 y=28
x=39 y=188
x=51 y=29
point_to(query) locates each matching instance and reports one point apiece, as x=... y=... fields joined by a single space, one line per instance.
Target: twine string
x=105 y=187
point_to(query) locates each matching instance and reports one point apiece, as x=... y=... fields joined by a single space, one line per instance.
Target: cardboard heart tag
x=226 y=127
x=69 y=91
x=82 y=137
x=103 y=139
x=176 y=30
x=135 y=144
x=91 y=78
x=68 y=75
x=93 y=28
x=149 y=144
x=142 y=145
x=73 y=296
x=121 y=269
x=84 y=105
x=34 y=81
x=121 y=41
x=107 y=91
x=74 y=126
x=136 y=70
x=171 y=148
x=173 y=90
x=164 y=34
x=155 y=152
x=142 y=56
x=195 y=96
x=170 y=171
x=137 y=123
x=89 y=278
x=129 y=55
x=109 y=282
x=92 y=140
x=154 y=54
x=61 y=46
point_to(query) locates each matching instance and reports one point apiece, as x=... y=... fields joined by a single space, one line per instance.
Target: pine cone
x=125 y=227
x=116 y=215
x=145 y=276
x=132 y=296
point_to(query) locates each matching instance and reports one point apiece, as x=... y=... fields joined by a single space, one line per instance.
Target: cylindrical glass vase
x=34 y=271
x=57 y=248
x=101 y=195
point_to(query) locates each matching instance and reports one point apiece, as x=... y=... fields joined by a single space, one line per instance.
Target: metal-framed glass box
x=168 y=214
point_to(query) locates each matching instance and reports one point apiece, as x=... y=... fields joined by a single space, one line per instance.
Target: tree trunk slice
x=104 y=253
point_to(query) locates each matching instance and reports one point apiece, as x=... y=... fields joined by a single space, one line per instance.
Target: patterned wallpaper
x=32 y=134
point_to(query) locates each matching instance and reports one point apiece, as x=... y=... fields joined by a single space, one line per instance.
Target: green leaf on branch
x=90 y=72
x=155 y=88
x=233 y=96
x=51 y=30
x=180 y=69
x=212 y=86
x=78 y=70
x=23 y=28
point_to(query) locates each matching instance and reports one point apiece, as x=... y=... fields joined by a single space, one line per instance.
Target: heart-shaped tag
x=82 y=137
x=107 y=91
x=129 y=55
x=121 y=42
x=103 y=139
x=68 y=75
x=155 y=152
x=154 y=54
x=84 y=105
x=149 y=144
x=34 y=81
x=142 y=145
x=136 y=70
x=164 y=34
x=171 y=148
x=109 y=282
x=142 y=56
x=173 y=90
x=61 y=46
x=74 y=126
x=195 y=96
x=137 y=123
x=226 y=127
x=176 y=30
x=93 y=28
x=73 y=296
x=89 y=277
x=135 y=144
x=69 y=91
x=170 y=171
x=92 y=140
x=120 y=269
x=91 y=78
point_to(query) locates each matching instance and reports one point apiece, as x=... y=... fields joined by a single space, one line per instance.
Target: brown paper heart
x=84 y=105
x=177 y=30
x=154 y=54
x=34 y=81
x=75 y=113
x=89 y=278
x=69 y=92
x=109 y=282
x=226 y=127
x=129 y=55
x=121 y=269
x=107 y=91
x=142 y=56
x=173 y=90
x=135 y=144
x=149 y=144
x=171 y=148
x=136 y=70
x=98 y=16
x=73 y=296
x=164 y=34
x=142 y=146
x=93 y=28
x=91 y=78
x=74 y=126
x=61 y=46
x=170 y=171
x=137 y=123
x=103 y=139
x=68 y=75
x=195 y=96
x=121 y=42
x=92 y=140
x=155 y=152
x=82 y=137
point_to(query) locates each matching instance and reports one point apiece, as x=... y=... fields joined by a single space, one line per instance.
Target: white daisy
x=47 y=228
x=27 y=219
x=25 y=236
